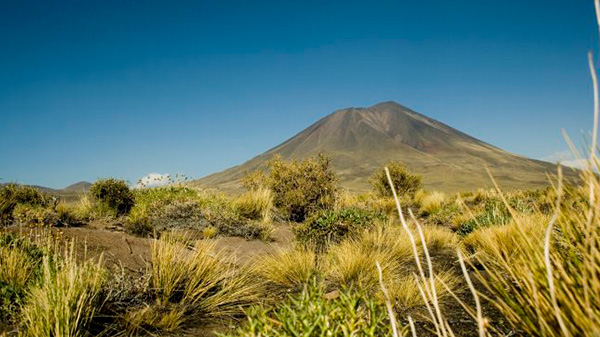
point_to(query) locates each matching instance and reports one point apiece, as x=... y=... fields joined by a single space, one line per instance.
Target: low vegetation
x=299 y=188
x=355 y=267
x=187 y=285
x=16 y=197
x=406 y=183
x=66 y=298
x=287 y=270
x=115 y=195
x=171 y=208
x=313 y=313
x=529 y=258
x=20 y=267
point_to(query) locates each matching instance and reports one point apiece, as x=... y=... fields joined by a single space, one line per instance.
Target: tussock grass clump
x=353 y=262
x=313 y=313
x=256 y=204
x=507 y=242
x=468 y=212
x=66 y=298
x=543 y=271
x=192 y=282
x=441 y=243
x=432 y=202
x=405 y=294
x=350 y=264
x=16 y=268
x=288 y=269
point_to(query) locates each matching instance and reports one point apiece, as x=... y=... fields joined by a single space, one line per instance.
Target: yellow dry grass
x=287 y=269
x=66 y=299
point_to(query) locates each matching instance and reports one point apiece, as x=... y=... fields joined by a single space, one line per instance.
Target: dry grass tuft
x=441 y=242
x=405 y=293
x=256 y=204
x=67 y=297
x=189 y=282
x=354 y=262
x=432 y=202
x=288 y=269
x=16 y=268
x=349 y=263
x=509 y=242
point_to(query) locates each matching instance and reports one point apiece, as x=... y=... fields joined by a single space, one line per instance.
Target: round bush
x=114 y=194
x=405 y=182
x=299 y=187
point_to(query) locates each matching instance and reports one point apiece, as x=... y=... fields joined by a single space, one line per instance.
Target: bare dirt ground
x=120 y=249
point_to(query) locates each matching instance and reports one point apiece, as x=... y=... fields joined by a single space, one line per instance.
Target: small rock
x=332 y=295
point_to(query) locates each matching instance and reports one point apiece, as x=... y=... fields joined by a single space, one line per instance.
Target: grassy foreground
x=520 y=262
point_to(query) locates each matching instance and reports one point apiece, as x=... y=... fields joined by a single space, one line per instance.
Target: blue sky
x=92 y=89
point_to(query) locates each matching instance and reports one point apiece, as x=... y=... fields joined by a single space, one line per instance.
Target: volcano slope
x=361 y=140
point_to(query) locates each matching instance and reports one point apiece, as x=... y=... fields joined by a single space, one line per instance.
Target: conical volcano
x=361 y=140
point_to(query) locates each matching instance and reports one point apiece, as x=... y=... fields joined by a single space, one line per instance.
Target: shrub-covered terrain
x=169 y=208
x=353 y=268
x=512 y=262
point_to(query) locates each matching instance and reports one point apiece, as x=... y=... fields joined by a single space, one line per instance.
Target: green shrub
x=405 y=182
x=333 y=226
x=161 y=209
x=255 y=180
x=113 y=193
x=35 y=215
x=299 y=188
x=347 y=313
x=12 y=195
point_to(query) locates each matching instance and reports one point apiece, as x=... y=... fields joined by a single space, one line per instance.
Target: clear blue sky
x=92 y=89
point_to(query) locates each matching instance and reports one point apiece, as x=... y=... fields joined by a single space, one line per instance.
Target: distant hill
x=70 y=192
x=82 y=186
x=361 y=140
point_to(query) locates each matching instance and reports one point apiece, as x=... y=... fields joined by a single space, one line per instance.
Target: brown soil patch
x=120 y=249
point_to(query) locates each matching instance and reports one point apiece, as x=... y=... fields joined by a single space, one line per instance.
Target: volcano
x=361 y=140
